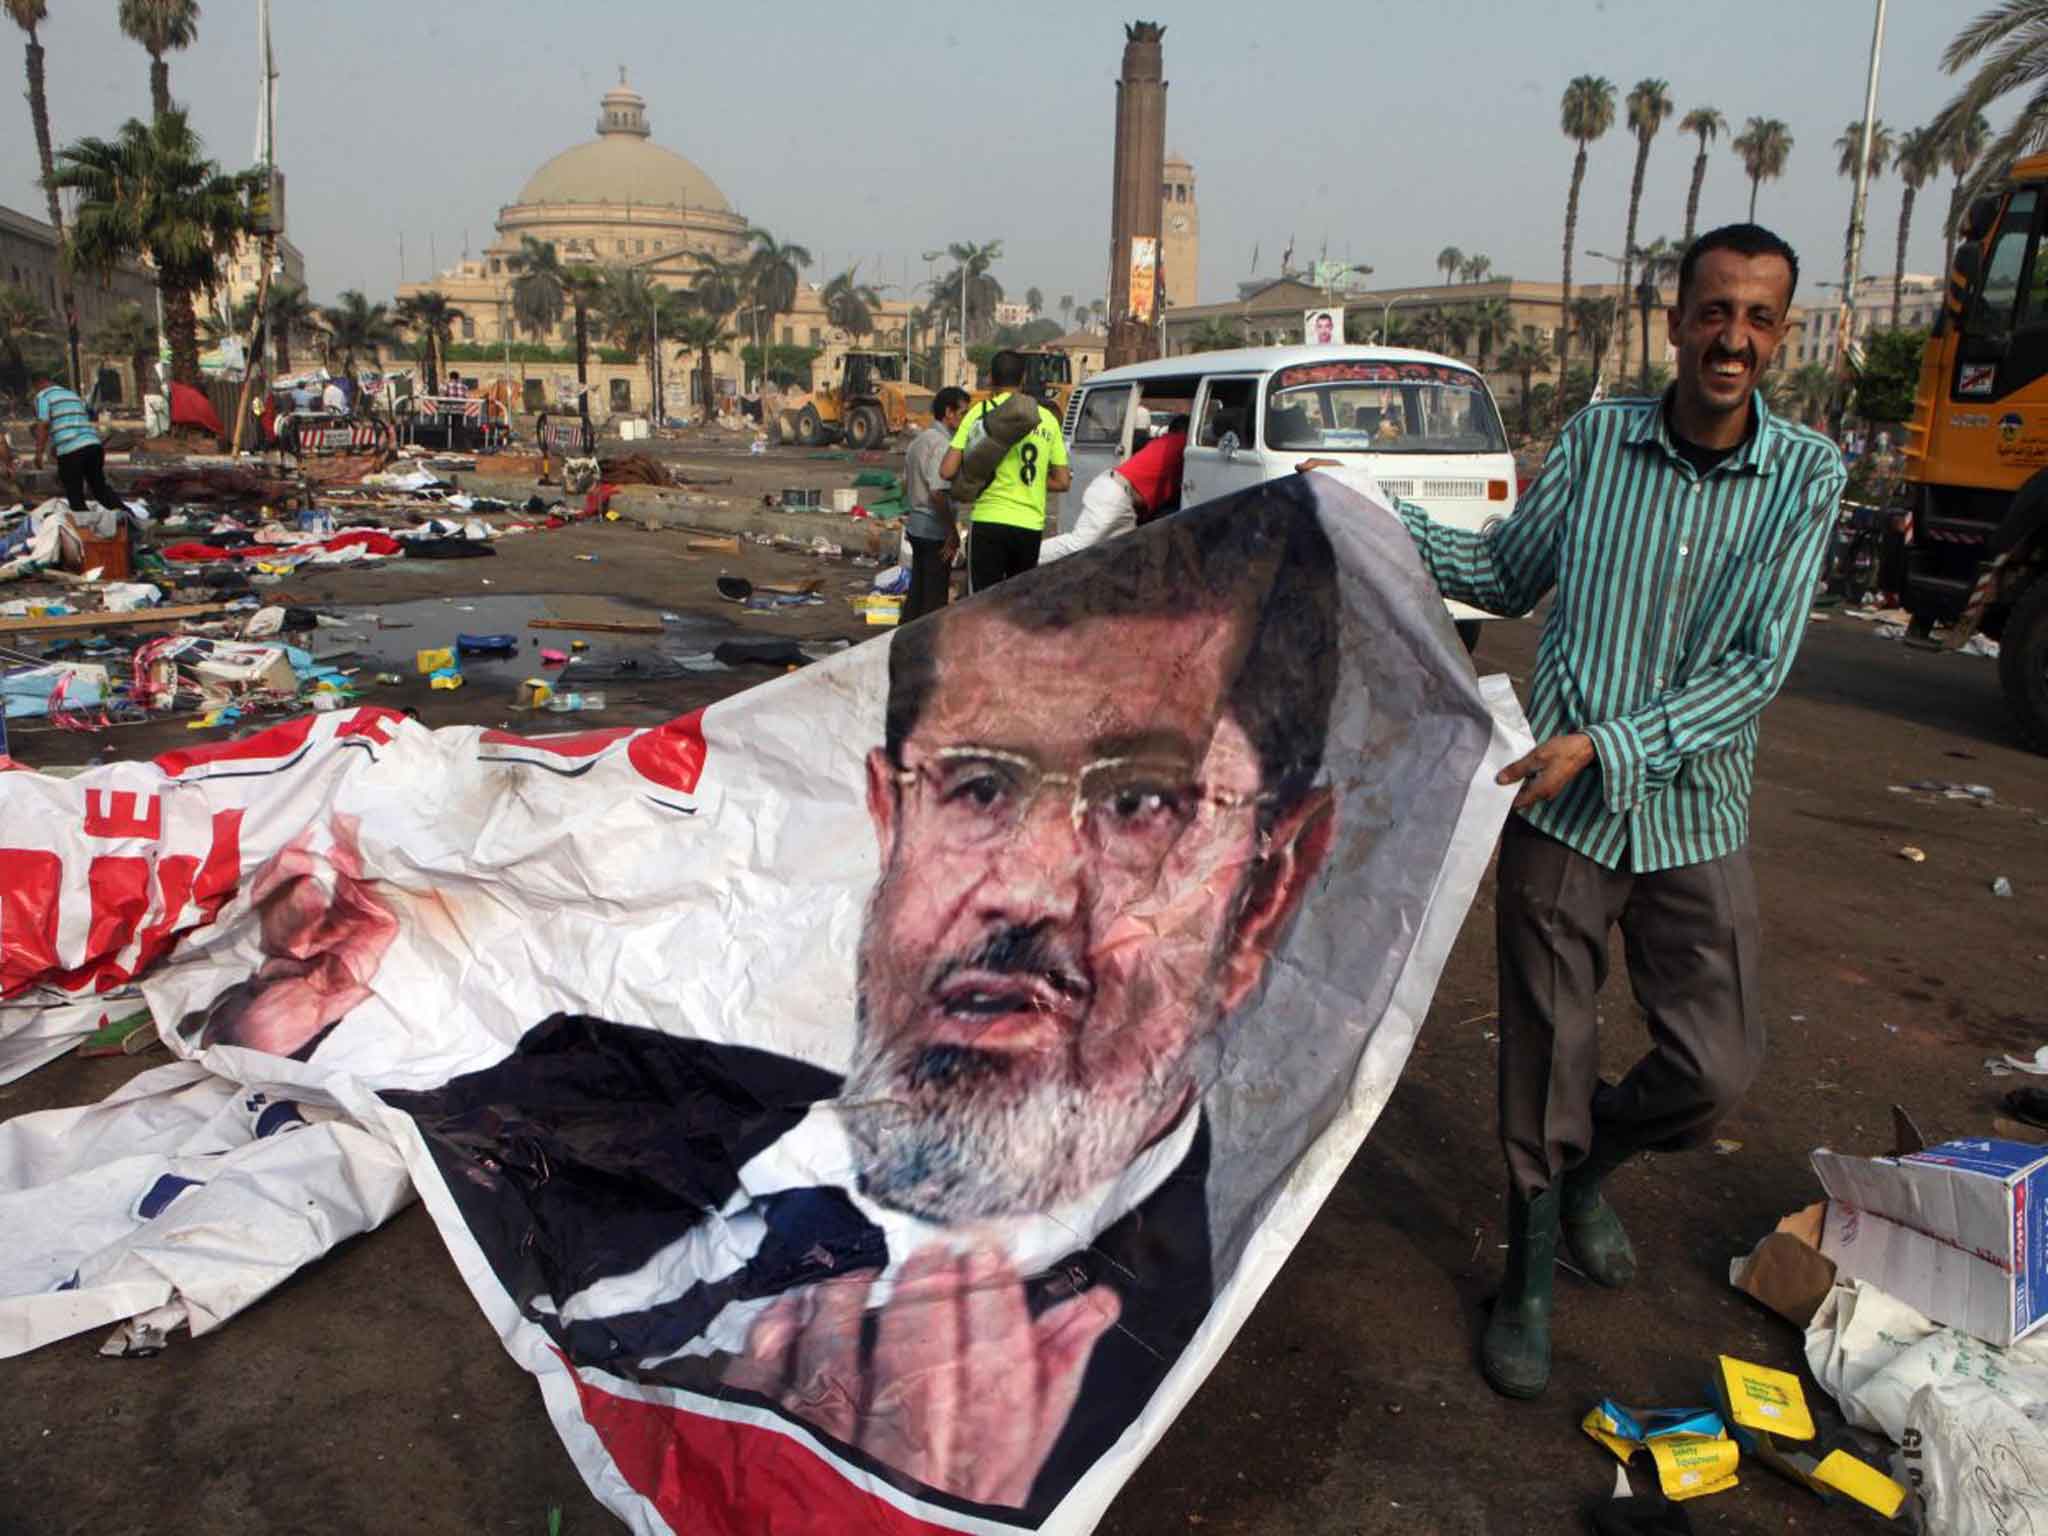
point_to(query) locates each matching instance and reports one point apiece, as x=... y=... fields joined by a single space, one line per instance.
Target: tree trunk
x=582 y=350
x=283 y=343
x=159 y=85
x=182 y=327
x=1628 y=250
x=1754 y=183
x=1692 y=198
x=704 y=366
x=39 y=111
x=1899 y=269
x=1571 y=232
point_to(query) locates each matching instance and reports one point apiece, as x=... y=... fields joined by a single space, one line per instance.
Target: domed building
x=619 y=200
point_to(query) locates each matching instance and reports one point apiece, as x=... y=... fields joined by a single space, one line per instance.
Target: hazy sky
x=1390 y=130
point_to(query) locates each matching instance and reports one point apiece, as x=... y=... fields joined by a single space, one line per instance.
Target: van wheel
x=2023 y=663
x=1468 y=631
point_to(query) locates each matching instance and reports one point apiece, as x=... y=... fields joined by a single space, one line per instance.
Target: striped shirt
x=1681 y=600
x=70 y=423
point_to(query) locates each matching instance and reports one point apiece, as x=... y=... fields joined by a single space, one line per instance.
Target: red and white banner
x=872 y=1102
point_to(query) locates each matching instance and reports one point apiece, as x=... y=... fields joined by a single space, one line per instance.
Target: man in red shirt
x=1137 y=490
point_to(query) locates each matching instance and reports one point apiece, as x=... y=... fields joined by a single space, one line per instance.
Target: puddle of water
x=390 y=635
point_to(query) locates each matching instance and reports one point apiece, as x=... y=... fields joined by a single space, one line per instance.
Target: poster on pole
x=1322 y=327
x=1144 y=276
x=872 y=1102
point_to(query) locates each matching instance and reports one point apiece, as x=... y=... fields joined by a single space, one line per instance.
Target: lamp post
x=1620 y=298
x=1387 y=310
x=1646 y=300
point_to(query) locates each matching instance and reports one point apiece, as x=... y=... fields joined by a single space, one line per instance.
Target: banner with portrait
x=872 y=1102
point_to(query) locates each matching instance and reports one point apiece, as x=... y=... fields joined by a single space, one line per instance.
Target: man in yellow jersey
x=1009 y=517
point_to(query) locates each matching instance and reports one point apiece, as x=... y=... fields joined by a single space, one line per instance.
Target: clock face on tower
x=1178 y=223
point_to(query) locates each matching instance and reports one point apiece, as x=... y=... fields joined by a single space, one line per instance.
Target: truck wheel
x=866 y=429
x=810 y=431
x=2023 y=663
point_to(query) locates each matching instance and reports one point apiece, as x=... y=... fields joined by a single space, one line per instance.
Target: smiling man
x=1682 y=538
x=972 y=1260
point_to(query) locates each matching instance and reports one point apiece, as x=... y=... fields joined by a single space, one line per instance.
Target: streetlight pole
x=1387 y=310
x=1620 y=298
x=1646 y=300
x=1852 y=258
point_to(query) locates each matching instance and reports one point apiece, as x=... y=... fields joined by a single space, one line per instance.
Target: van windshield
x=1365 y=407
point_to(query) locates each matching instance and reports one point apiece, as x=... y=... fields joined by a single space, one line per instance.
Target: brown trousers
x=1690 y=937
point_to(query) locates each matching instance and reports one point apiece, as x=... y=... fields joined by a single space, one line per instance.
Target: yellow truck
x=867 y=401
x=1975 y=549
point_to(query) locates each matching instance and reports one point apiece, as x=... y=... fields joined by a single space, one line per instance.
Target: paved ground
x=369 y=1394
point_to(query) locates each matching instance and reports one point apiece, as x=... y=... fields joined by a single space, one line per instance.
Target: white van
x=1425 y=426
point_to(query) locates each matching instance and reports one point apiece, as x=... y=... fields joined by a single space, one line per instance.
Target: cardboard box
x=1959 y=1231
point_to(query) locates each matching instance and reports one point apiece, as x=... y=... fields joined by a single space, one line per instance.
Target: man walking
x=64 y=428
x=1683 y=538
x=1009 y=517
x=931 y=527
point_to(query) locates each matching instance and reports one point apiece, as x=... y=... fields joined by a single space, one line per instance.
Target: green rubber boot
x=1515 y=1354
x=1593 y=1233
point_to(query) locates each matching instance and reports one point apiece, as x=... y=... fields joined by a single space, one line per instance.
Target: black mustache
x=1032 y=950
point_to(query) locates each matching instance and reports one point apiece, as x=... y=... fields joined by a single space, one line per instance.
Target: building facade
x=1180 y=234
x=1919 y=303
x=29 y=261
x=621 y=200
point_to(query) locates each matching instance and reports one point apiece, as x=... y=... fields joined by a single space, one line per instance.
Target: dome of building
x=623 y=164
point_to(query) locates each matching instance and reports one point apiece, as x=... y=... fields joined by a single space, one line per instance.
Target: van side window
x=1101 y=424
x=1226 y=410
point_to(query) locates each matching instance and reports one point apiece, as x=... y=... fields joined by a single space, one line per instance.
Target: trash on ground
x=2001 y=886
x=1691 y=1447
x=1913 y=855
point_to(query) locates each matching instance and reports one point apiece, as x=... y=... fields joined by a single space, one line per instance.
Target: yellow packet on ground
x=1604 y=1429
x=434 y=661
x=1860 y=1481
x=1688 y=1468
x=1764 y=1399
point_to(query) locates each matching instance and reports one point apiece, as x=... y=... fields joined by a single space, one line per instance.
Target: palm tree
x=1214 y=335
x=851 y=304
x=1448 y=261
x=431 y=319
x=1476 y=267
x=704 y=334
x=1764 y=144
x=971 y=275
x=1524 y=360
x=1962 y=142
x=1492 y=322
x=1849 y=151
x=152 y=192
x=1428 y=328
x=1648 y=105
x=356 y=326
x=2009 y=46
x=22 y=325
x=160 y=26
x=1587 y=113
x=1594 y=320
x=1917 y=159
x=1066 y=310
x=1660 y=261
x=1034 y=302
x=1804 y=392
x=129 y=335
x=774 y=273
x=28 y=14
x=1704 y=124
x=540 y=287
x=288 y=317
x=1457 y=329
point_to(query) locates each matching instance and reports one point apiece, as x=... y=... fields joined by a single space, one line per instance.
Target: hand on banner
x=966 y=1392
x=1544 y=773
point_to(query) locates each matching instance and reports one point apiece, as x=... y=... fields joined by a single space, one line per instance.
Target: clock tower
x=1180 y=229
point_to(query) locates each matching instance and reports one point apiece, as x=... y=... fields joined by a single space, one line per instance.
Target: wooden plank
x=724 y=546
x=139 y=618
x=600 y=626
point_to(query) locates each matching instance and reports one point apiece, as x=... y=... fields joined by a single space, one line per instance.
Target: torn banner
x=875 y=1101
